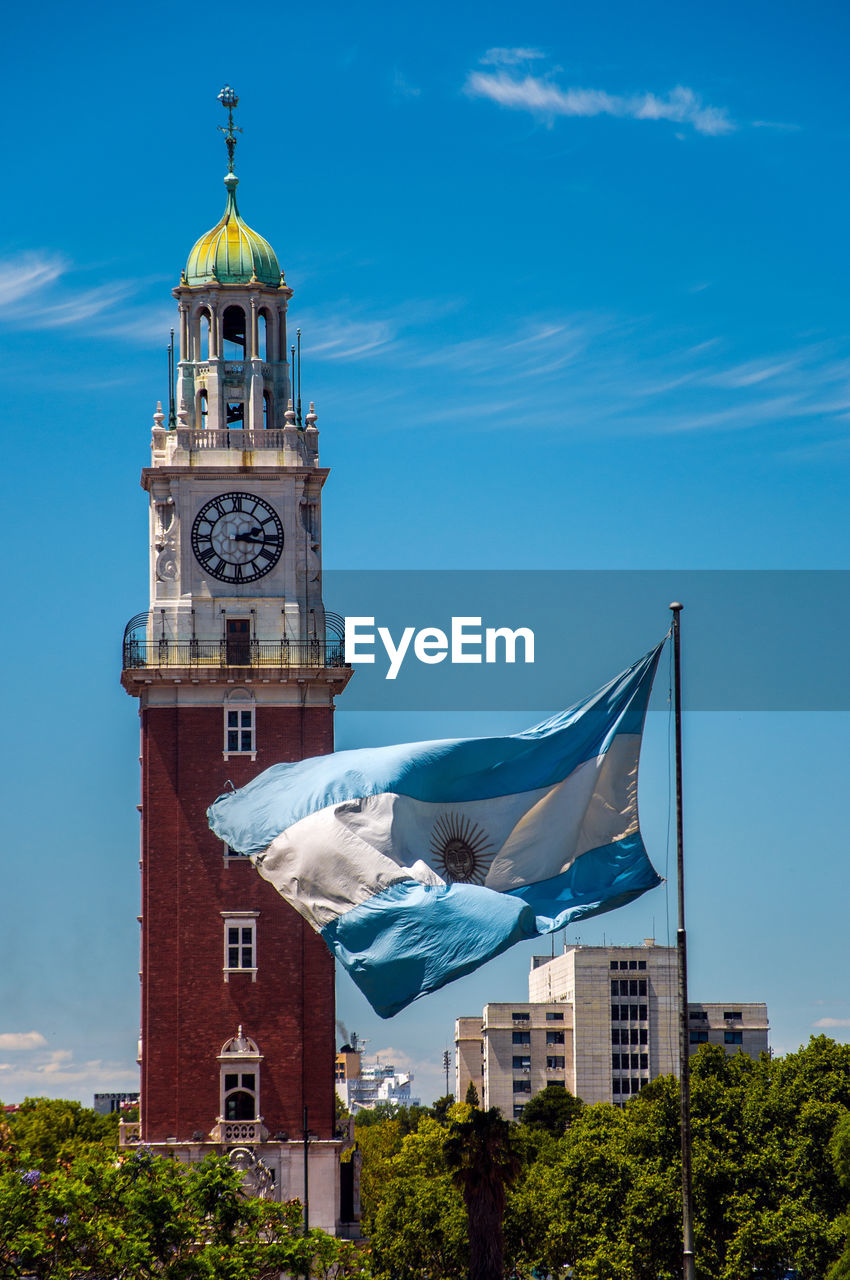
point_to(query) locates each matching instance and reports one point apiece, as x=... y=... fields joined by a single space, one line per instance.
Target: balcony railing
x=191 y=438
x=312 y=654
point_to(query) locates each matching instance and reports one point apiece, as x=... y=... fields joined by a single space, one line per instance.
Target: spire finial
x=229 y=100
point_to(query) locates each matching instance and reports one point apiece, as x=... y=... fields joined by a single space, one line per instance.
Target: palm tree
x=483 y=1161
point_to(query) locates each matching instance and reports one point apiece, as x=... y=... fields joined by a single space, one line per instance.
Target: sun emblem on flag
x=461 y=849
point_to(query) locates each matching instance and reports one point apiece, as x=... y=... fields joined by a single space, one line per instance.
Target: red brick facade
x=188 y=1009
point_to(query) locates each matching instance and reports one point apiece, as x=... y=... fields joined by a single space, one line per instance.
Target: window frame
x=240 y=920
x=240 y=705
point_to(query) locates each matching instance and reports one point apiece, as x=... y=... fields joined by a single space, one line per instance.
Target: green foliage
x=771 y=1163
x=553 y=1109
x=441 y=1108
x=142 y=1216
x=472 y=1098
x=47 y=1132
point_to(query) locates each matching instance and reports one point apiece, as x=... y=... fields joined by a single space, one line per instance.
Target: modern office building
x=601 y=1022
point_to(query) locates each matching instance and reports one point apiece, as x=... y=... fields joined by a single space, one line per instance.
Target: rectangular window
x=554 y=1037
x=613 y=964
x=700 y=1037
x=615 y=1035
x=624 y=964
x=615 y=1013
x=520 y=1037
x=518 y=1110
x=240 y=943
x=522 y=1086
x=641 y=964
x=642 y=1013
x=633 y=987
x=642 y=987
x=555 y=1063
x=698 y=1015
x=522 y=1063
x=733 y=1015
x=733 y=1037
x=633 y=1012
x=633 y=964
x=615 y=1061
x=644 y=1036
x=644 y=1062
x=615 y=987
x=554 y=1017
x=616 y=1086
x=520 y=1017
x=239 y=735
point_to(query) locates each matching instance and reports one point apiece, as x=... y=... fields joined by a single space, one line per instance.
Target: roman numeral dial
x=237 y=537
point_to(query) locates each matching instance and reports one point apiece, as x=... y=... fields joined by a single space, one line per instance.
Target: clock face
x=237 y=537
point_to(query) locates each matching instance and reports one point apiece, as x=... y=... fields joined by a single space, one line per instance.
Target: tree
x=416 y=1220
x=144 y=1217
x=484 y=1162
x=553 y=1109
x=471 y=1098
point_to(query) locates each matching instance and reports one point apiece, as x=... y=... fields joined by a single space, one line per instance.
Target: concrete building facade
x=601 y=1021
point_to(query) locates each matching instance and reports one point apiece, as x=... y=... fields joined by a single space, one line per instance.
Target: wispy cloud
x=402 y=88
x=27 y=274
x=57 y=1072
x=21 y=1041
x=832 y=1022
x=38 y=290
x=543 y=97
x=510 y=57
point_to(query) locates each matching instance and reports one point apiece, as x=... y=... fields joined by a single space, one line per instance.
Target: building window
x=733 y=1015
x=641 y=964
x=615 y=1035
x=698 y=1015
x=521 y=1037
x=520 y=1017
x=554 y=1017
x=624 y=964
x=613 y=964
x=642 y=987
x=644 y=1062
x=240 y=943
x=518 y=1110
x=641 y=1013
x=616 y=1086
x=644 y=1036
x=554 y=1037
x=615 y=1061
x=733 y=1037
x=522 y=1086
x=239 y=1078
x=699 y=1037
x=555 y=1063
x=240 y=736
x=522 y=1063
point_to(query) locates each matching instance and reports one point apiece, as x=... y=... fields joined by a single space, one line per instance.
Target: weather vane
x=228 y=99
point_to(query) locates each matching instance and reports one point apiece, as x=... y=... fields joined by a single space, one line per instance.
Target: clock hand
x=249 y=535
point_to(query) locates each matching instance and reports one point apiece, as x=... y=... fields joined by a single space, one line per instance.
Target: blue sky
x=573 y=286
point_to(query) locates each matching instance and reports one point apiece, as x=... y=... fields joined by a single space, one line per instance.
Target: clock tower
x=236 y=666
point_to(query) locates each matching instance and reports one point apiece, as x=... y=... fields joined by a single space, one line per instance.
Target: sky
x=572 y=281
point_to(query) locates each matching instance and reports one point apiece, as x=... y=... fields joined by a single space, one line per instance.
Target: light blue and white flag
x=418 y=863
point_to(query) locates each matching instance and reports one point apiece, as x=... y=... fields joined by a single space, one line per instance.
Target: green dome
x=232 y=253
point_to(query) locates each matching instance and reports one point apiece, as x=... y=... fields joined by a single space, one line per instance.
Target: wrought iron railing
x=140 y=653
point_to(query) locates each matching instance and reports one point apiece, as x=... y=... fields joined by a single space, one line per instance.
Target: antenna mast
x=172 y=416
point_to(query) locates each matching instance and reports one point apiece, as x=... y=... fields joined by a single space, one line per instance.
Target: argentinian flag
x=418 y=863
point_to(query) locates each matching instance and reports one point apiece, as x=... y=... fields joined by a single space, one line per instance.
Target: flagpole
x=682 y=953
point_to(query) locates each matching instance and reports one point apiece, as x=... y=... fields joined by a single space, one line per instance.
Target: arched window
x=204 y=336
x=263 y=336
x=235 y=414
x=233 y=333
x=203 y=410
x=239 y=1063
x=267 y=409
